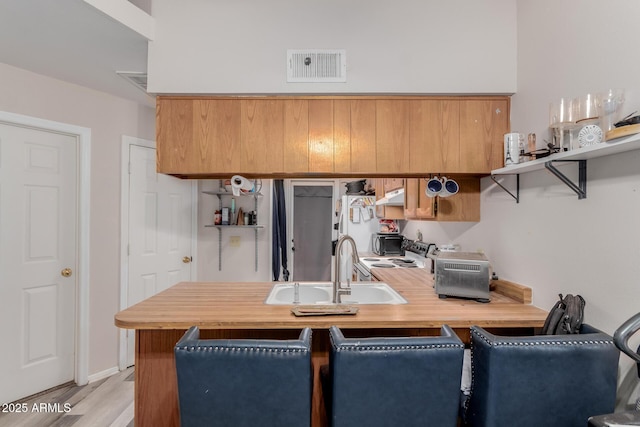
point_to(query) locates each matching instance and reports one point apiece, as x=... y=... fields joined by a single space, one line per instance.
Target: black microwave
x=388 y=244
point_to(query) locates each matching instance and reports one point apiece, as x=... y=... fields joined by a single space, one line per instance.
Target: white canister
x=513 y=144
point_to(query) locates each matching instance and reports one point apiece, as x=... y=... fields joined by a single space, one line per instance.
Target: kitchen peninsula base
x=236 y=310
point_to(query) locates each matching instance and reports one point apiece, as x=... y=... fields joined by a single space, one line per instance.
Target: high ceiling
x=71 y=41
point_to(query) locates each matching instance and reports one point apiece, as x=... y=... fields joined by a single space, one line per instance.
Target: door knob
x=66 y=272
x=186 y=259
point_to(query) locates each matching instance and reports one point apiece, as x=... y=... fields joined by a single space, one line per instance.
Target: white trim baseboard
x=103 y=374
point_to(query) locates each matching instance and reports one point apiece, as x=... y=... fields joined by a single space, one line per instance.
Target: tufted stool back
x=244 y=382
x=545 y=380
x=408 y=381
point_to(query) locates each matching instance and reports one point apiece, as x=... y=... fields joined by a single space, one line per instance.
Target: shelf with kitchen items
x=220 y=195
x=578 y=156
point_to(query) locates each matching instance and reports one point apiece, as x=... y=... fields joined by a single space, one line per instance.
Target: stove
x=415 y=257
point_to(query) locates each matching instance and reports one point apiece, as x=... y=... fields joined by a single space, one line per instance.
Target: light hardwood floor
x=104 y=403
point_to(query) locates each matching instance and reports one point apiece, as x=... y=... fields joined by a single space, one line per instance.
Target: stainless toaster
x=462 y=274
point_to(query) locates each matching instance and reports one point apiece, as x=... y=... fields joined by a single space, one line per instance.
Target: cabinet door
x=321 y=136
x=417 y=205
x=464 y=206
x=174 y=135
x=354 y=136
x=296 y=135
x=434 y=136
x=392 y=136
x=262 y=135
x=216 y=136
x=483 y=124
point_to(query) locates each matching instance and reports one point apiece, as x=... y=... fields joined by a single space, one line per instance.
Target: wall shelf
x=578 y=156
x=219 y=195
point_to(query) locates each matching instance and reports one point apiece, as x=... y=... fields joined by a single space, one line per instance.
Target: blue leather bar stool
x=395 y=381
x=544 y=380
x=244 y=382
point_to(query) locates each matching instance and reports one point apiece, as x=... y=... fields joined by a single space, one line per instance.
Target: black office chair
x=244 y=382
x=408 y=381
x=546 y=380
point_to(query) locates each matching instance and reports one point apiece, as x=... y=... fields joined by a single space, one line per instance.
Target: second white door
x=160 y=217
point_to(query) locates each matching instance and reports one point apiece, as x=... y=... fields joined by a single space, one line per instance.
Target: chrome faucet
x=338 y=290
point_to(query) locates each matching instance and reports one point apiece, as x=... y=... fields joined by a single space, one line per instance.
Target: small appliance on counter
x=462 y=274
x=385 y=244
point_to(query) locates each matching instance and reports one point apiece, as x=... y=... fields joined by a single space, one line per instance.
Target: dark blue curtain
x=279 y=229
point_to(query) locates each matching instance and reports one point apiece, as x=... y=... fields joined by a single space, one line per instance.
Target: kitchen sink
x=319 y=293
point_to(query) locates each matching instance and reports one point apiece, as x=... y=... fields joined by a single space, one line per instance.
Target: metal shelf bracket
x=581 y=188
x=515 y=196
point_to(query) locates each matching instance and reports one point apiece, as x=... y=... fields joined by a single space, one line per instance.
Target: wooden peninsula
x=237 y=310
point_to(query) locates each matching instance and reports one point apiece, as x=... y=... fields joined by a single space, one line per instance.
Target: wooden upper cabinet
x=464 y=206
x=296 y=136
x=216 y=139
x=417 y=205
x=329 y=136
x=174 y=135
x=359 y=147
x=262 y=136
x=483 y=124
x=392 y=136
x=321 y=143
x=434 y=136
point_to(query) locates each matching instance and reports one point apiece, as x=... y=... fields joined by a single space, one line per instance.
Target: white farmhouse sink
x=319 y=293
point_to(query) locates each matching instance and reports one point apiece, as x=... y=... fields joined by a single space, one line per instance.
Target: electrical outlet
x=234 y=241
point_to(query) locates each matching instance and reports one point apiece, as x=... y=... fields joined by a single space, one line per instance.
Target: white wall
x=237 y=263
x=108 y=117
x=414 y=46
x=552 y=241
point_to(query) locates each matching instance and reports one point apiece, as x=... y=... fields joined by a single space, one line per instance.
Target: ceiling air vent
x=137 y=79
x=316 y=65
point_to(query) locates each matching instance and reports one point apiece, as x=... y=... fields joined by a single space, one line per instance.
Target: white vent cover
x=138 y=79
x=316 y=65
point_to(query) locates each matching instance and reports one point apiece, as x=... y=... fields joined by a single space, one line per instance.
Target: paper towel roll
x=240 y=183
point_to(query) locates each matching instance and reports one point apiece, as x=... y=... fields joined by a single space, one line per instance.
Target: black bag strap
x=554 y=317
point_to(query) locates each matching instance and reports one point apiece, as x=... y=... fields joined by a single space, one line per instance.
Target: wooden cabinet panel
x=174 y=135
x=296 y=136
x=450 y=143
x=216 y=137
x=392 y=136
x=363 y=135
x=434 y=136
x=483 y=124
x=342 y=136
x=321 y=136
x=417 y=205
x=464 y=206
x=262 y=135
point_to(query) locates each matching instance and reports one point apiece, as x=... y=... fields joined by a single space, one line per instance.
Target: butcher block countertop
x=240 y=305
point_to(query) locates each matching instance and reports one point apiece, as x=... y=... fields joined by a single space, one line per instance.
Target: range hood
x=392 y=198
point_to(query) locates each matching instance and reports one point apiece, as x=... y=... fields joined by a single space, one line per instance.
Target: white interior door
x=159 y=232
x=38 y=252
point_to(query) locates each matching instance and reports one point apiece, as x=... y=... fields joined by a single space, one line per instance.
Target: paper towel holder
x=240 y=183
